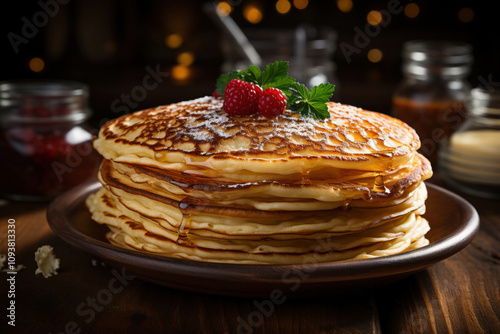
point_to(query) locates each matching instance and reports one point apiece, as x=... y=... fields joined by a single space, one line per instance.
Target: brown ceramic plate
x=454 y=223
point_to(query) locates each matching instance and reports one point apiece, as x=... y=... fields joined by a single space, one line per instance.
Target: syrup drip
x=379 y=186
x=305 y=177
x=346 y=207
x=184 y=226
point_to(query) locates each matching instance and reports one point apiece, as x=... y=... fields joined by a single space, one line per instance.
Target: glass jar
x=308 y=49
x=470 y=159
x=45 y=144
x=431 y=98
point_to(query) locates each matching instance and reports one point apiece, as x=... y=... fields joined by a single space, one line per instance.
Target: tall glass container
x=431 y=98
x=470 y=159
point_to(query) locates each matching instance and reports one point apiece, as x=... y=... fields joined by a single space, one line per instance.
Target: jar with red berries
x=45 y=142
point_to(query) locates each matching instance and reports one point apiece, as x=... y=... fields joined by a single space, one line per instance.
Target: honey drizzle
x=379 y=186
x=305 y=177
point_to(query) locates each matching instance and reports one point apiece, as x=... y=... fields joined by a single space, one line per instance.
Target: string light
x=374 y=17
x=374 y=55
x=224 y=8
x=180 y=72
x=344 y=6
x=173 y=41
x=283 y=6
x=185 y=58
x=412 y=10
x=300 y=4
x=252 y=14
x=36 y=64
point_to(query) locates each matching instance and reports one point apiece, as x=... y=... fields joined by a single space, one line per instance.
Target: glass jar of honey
x=45 y=143
x=431 y=98
x=470 y=159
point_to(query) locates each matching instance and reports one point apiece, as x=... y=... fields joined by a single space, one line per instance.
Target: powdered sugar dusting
x=202 y=126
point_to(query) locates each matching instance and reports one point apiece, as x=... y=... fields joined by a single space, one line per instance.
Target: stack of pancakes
x=189 y=181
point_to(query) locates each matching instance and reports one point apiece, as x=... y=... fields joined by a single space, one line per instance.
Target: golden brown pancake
x=198 y=134
x=189 y=181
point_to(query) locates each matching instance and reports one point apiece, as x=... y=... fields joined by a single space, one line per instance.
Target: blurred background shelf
x=109 y=44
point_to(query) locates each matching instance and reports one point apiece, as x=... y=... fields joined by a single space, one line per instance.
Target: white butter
x=46 y=261
x=479 y=143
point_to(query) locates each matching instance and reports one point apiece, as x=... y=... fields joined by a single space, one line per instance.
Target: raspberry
x=272 y=102
x=215 y=94
x=241 y=98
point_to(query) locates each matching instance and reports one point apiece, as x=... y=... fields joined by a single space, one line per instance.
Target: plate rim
x=399 y=264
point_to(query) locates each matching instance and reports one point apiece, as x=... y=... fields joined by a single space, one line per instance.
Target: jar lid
x=43 y=101
x=447 y=58
x=485 y=103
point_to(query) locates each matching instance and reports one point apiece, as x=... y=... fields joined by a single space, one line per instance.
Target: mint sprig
x=223 y=80
x=311 y=102
x=274 y=75
x=300 y=99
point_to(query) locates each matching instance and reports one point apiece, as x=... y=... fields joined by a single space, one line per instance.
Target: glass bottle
x=470 y=159
x=45 y=143
x=431 y=98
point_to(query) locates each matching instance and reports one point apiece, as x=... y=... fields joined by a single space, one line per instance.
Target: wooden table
x=460 y=294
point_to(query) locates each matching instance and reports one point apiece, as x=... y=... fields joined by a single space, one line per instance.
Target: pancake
x=189 y=181
x=196 y=136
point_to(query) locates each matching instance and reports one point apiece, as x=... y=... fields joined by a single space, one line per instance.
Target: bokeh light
x=412 y=10
x=224 y=8
x=180 y=72
x=465 y=14
x=185 y=58
x=344 y=6
x=374 y=55
x=252 y=14
x=283 y=6
x=300 y=4
x=173 y=41
x=374 y=17
x=36 y=64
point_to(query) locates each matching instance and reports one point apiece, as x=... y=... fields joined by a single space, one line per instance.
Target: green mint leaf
x=319 y=110
x=321 y=92
x=274 y=72
x=223 y=80
x=302 y=108
x=300 y=91
x=284 y=84
x=274 y=75
x=253 y=74
x=313 y=102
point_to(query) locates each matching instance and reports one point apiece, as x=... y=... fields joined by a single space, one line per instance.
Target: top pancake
x=198 y=136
